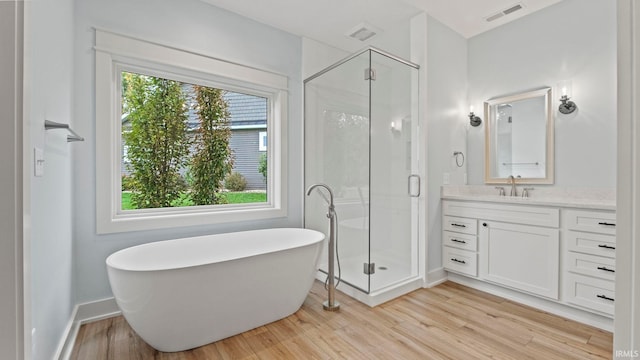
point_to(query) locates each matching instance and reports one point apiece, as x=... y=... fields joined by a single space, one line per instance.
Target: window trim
x=115 y=53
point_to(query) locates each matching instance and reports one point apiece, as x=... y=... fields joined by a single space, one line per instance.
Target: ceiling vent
x=508 y=11
x=362 y=32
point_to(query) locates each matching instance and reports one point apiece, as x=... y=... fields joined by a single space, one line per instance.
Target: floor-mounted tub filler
x=185 y=293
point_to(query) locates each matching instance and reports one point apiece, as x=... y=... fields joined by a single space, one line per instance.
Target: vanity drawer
x=592 y=293
x=460 y=225
x=458 y=260
x=600 y=222
x=597 y=266
x=590 y=243
x=460 y=241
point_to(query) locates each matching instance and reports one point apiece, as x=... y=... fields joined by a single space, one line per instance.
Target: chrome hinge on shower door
x=369 y=268
x=370 y=74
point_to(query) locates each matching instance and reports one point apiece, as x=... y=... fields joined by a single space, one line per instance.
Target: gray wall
x=198 y=27
x=572 y=40
x=49 y=69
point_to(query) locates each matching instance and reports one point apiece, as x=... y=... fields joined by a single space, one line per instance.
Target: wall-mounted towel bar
x=50 y=125
x=523 y=163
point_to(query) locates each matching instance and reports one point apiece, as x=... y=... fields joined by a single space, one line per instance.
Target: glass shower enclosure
x=361 y=139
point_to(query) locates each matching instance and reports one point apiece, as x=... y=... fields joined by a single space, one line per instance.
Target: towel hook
x=457 y=154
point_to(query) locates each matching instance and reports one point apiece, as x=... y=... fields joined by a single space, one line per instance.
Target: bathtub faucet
x=330 y=304
x=332 y=208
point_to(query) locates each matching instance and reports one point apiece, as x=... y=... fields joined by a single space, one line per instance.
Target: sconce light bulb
x=564 y=91
x=471 y=108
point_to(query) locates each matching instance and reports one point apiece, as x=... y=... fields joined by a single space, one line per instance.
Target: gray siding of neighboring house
x=244 y=144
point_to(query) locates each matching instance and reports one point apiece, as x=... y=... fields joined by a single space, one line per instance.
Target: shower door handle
x=411 y=187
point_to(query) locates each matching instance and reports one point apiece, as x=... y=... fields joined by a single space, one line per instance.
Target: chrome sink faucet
x=514 y=190
x=525 y=192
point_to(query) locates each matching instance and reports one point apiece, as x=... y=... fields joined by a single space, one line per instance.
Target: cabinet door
x=520 y=256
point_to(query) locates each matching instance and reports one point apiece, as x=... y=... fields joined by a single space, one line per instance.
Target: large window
x=177 y=147
x=181 y=138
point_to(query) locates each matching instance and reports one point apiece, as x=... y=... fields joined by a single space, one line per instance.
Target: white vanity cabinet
x=517 y=246
x=554 y=251
x=590 y=259
x=564 y=255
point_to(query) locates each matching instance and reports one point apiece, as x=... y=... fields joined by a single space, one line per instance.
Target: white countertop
x=586 y=198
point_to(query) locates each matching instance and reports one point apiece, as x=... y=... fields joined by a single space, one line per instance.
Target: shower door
x=360 y=140
x=394 y=181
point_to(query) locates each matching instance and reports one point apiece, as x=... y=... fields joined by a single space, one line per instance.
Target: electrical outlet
x=446 y=178
x=38 y=162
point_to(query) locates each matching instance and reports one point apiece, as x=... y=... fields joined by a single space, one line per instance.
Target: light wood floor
x=449 y=321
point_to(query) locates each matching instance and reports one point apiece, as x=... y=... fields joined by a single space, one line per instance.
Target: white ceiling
x=328 y=20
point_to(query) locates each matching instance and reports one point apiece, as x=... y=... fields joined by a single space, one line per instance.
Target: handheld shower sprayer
x=330 y=304
x=329 y=201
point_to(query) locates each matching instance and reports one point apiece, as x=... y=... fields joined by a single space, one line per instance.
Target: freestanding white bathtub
x=184 y=293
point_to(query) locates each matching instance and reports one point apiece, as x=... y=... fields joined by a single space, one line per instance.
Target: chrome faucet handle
x=500 y=190
x=525 y=192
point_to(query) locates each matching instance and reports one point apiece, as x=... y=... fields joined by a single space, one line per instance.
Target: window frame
x=116 y=53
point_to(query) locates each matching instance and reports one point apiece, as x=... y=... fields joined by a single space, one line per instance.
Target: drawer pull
x=606 y=247
x=603 y=268
x=605 y=297
x=459 y=241
x=458 y=225
x=606 y=224
x=458 y=261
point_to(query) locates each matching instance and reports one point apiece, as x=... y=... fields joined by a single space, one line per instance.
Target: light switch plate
x=446 y=178
x=38 y=162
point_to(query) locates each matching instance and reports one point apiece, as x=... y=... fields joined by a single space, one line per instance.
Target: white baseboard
x=97 y=310
x=68 y=339
x=82 y=314
x=435 y=277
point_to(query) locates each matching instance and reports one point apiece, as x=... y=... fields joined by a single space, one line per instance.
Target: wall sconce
x=474 y=119
x=567 y=106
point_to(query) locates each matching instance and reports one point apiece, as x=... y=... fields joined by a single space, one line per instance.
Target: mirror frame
x=488 y=115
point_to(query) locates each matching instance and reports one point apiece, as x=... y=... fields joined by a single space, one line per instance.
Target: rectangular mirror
x=519 y=138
